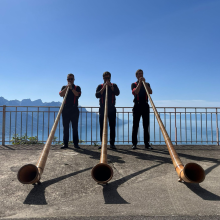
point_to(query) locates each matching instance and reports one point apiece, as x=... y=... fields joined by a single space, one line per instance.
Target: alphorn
x=191 y=172
x=102 y=172
x=31 y=174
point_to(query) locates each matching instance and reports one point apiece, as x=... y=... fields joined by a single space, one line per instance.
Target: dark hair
x=138 y=71
x=106 y=73
x=70 y=74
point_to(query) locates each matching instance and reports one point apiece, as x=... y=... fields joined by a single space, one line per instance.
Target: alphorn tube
x=102 y=172
x=30 y=173
x=191 y=172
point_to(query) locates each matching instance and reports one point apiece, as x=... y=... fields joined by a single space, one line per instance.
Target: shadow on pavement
x=196 y=188
x=5 y=147
x=110 y=192
x=195 y=158
x=145 y=156
x=96 y=155
x=37 y=194
x=201 y=192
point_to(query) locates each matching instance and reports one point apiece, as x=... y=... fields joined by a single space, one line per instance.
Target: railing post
x=175 y=128
x=176 y=135
x=149 y=126
x=48 y=130
x=217 y=137
x=91 y=126
x=3 y=125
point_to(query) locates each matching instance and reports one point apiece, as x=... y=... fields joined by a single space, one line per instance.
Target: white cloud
x=185 y=103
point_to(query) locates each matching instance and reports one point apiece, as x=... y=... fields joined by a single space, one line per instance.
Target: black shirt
x=71 y=99
x=141 y=97
x=111 y=95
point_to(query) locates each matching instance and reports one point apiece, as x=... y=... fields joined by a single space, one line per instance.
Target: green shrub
x=21 y=140
x=95 y=143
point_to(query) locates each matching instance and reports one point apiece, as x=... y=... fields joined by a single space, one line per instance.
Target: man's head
x=139 y=73
x=106 y=76
x=70 y=78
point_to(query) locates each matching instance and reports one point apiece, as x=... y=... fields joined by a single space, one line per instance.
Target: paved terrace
x=144 y=185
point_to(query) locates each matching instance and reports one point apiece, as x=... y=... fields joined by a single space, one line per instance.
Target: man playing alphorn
x=70 y=111
x=100 y=94
x=141 y=108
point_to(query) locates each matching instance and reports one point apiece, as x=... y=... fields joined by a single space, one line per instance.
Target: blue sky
x=175 y=42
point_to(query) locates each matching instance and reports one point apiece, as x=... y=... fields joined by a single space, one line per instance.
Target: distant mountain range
x=27 y=102
x=29 y=121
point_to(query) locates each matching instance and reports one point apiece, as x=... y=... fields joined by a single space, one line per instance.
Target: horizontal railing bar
x=124 y=133
x=116 y=107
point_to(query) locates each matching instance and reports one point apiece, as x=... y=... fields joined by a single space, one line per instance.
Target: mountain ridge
x=27 y=102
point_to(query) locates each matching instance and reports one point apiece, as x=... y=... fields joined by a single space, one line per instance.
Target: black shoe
x=64 y=146
x=99 y=147
x=113 y=147
x=77 y=146
x=134 y=147
x=147 y=146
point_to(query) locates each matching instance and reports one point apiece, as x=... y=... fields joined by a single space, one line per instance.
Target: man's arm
x=77 y=92
x=148 y=88
x=98 y=93
x=64 y=88
x=103 y=88
x=63 y=91
x=137 y=89
x=115 y=89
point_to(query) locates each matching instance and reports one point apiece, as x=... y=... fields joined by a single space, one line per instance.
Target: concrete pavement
x=144 y=185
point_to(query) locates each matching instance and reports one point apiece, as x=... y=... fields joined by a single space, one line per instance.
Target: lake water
x=186 y=134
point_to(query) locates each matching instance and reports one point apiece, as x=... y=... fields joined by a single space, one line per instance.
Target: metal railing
x=184 y=125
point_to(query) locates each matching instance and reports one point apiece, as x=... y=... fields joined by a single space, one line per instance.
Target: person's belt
x=141 y=103
x=69 y=106
x=109 y=106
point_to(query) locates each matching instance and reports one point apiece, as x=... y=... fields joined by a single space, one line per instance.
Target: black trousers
x=111 y=120
x=138 y=111
x=70 y=114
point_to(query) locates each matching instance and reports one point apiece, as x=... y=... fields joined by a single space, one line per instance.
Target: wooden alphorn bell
x=31 y=174
x=102 y=172
x=191 y=172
